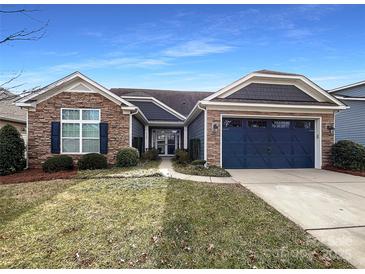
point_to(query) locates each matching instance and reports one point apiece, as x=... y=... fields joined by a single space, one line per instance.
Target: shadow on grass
x=192 y=220
x=226 y=226
x=18 y=199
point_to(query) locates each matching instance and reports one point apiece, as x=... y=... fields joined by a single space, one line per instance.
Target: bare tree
x=24 y=34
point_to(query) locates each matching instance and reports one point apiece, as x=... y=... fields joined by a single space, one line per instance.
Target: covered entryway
x=166 y=141
x=268 y=143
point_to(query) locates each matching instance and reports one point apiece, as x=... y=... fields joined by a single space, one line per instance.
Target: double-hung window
x=80 y=131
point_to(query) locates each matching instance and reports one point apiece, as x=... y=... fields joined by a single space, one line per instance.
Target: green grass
x=213 y=171
x=149 y=222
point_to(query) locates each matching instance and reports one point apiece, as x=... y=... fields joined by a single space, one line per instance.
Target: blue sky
x=186 y=47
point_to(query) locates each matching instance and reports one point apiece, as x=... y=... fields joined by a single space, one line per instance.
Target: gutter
x=238 y=104
x=350 y=98
x=13 y=120
x=25 y=105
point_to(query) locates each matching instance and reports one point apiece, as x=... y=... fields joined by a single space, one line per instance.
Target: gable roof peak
x=76 y=74
x=274 y=72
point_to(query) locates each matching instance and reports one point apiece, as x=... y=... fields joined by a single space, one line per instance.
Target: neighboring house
x=350 y=124
x=266 y=119
x=10 y=113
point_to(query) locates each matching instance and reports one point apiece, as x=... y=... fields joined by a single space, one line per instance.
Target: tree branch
x=25 y=35
x=17 y=11
x=11 y=79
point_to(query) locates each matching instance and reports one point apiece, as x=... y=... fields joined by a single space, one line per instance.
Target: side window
x=257 y=123
x=304 y=124
x=232 y=123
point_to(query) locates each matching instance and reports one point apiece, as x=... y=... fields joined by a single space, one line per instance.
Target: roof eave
x=10 y=119
x=350 y=98
x=193 y=113
x=215 y=103
x=347 y=87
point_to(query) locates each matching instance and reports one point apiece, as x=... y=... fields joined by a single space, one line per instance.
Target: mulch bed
x=32 y=175
x=352 y=172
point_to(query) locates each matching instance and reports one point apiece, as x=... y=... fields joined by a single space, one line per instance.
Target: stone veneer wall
x=39 y=121
x=213 y=116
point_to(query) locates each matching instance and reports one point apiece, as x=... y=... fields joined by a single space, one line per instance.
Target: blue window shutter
x=104 y=138
x=55 y=137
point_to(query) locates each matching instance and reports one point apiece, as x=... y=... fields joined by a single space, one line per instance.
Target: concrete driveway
x=329 y=205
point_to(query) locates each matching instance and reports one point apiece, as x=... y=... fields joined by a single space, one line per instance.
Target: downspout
x=131 y=125
x=205 y=131
x=27 y=140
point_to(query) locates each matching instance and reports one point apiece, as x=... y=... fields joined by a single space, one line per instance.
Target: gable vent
x=80 y=87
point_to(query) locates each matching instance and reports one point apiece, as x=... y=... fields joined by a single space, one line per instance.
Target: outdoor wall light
x=331 y=129
x=215 y=127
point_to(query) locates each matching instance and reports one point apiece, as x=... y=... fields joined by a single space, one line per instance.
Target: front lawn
x=213 y=171
x=149 y=222
x=143 y=169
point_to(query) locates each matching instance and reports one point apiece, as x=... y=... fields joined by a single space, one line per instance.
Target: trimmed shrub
x=348 y=155
x=11 y=150
x=58 y=163
x=92 y=161
x=151 y=155
x=198 y=162
x=182 y=156
x=127 y=157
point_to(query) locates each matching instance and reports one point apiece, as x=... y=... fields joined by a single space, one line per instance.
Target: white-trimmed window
x=80 y=131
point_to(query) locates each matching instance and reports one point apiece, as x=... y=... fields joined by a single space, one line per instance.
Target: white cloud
x=110 y=63
x=297 y=33
x=60 y=54
x=172 y=73
x=196 y=48
x=96 y=34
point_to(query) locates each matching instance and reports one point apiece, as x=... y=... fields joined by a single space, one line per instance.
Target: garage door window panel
x=257 y=124
x=304 y=124
x=280 y=124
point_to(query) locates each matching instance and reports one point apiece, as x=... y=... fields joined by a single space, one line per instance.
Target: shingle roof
x=266 y=71
x=271 y=92
x=8 y=111
x=154 y=112
x=181 y=101
x=4 y=94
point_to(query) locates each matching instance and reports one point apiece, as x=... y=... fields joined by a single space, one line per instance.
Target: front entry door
x=166 y=141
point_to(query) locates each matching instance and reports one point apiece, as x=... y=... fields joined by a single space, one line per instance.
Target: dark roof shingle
x=266 y=71
x=154 y=112
x=181 y=101
x=274 y=92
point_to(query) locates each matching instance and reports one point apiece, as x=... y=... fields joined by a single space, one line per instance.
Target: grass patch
x=213 y=171
x=143 y=169
x=149 y=223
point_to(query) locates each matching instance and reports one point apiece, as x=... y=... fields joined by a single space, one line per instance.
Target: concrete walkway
x=168 y=171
